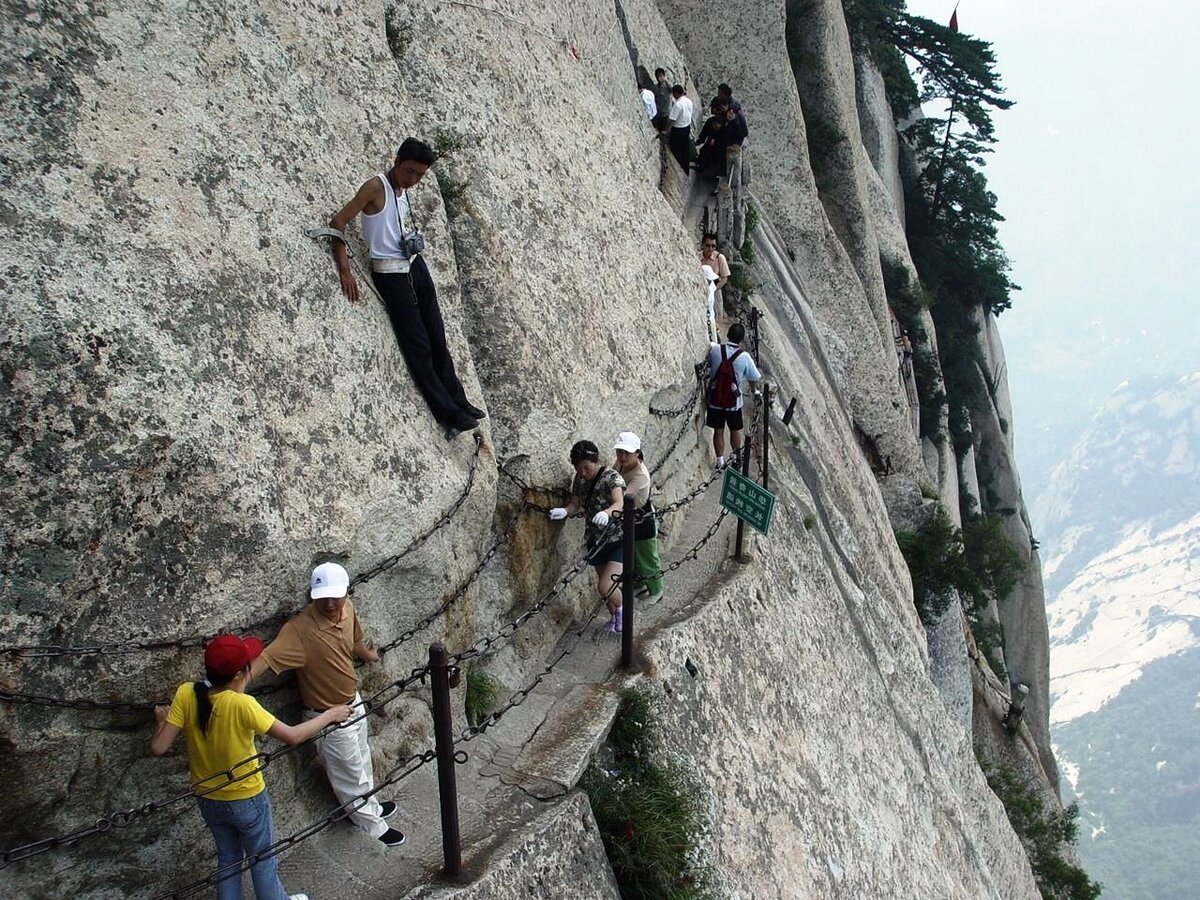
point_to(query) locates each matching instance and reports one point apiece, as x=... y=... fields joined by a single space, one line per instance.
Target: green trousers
x=646 y=562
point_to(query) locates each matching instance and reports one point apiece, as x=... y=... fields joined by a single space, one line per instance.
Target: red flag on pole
x=954 y=20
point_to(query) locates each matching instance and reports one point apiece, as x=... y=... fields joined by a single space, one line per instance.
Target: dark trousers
x=411 y=303
x=681 y=147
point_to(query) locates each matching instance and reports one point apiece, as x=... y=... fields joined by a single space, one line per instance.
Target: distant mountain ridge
x=1120 y=530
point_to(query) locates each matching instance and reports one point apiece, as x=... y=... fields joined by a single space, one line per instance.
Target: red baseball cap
x=228 y=654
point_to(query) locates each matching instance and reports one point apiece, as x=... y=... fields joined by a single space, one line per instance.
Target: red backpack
x=724 y=391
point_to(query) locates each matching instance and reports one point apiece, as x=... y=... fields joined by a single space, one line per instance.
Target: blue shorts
x=606 y=553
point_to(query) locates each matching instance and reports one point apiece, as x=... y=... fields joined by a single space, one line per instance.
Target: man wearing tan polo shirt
x=320 y=644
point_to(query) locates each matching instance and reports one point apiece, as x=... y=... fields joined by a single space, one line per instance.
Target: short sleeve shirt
x=744 y=368
x=235 y=721
x=720 y=266
x=595 y=497
x=321 y=652
x=637 y=484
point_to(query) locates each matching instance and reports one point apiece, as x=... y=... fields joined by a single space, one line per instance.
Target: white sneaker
x=297 y=896
x=653 y=598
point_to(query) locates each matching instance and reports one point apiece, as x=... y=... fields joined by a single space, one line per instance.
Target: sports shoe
x=619 y=620
x=653 y=598
x=611 y=627
x=459 y=425
x=297 y=896
x=387 y=808
x=392 y=838
x=473 y=411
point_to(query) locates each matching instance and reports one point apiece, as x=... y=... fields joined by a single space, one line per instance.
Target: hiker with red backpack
x=729 y=365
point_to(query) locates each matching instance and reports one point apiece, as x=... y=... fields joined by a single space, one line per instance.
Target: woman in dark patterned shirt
x=599 y=492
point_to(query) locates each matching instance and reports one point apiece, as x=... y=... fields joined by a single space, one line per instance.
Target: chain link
x=462 y=589
x=684 y=407
x=395 y=775
x=200 y=640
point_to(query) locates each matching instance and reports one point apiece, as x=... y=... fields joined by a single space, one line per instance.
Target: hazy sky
x=1096 y=170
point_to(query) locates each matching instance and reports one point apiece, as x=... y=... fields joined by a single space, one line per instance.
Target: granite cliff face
x=193 y=415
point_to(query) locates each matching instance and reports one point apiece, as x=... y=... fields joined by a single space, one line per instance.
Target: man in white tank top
x=403 y=281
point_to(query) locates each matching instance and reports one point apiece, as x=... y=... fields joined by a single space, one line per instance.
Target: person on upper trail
x=729 y=365
x=220 y=721
x=599 y=491
x=647 y=563
x=662 y=100
x=712 y=141
x=680 y=140
x=648 y=102
x=321 y=643
x=400 y=275
x=725 y=94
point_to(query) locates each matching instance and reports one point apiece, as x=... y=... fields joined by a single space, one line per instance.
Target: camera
x=414 y=243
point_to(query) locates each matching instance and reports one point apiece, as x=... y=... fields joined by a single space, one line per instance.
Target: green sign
x=752 y=504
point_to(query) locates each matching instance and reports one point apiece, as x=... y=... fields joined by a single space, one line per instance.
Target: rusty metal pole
x=629 y=573
x=755 y=315
x=741 y=526
x=766 y=435
x=443 y=733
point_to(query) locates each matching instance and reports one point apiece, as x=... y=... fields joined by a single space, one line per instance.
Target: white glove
x=601 y=519
x=559 y=512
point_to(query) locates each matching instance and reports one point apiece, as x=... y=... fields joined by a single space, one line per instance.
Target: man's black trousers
x=411 y=303
x=680 y=143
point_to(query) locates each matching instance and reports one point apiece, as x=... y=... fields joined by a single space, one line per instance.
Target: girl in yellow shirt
x=220 y=722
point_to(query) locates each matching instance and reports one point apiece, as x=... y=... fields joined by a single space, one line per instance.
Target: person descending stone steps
x=599 y=491
x=728 y=366
x=220 y=721
x=632 y=466
x=321 y=644
x=400 y=275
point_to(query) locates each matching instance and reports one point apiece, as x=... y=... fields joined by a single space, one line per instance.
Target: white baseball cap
x=329 y=580
x=628 y=441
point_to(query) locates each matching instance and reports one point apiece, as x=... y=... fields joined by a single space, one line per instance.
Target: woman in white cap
x=221 y=721
x=599 y=491
x=632 y=466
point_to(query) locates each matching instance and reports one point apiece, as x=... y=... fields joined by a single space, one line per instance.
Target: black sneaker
x=392 y=838
x=473 y=411
x=387 y=808
x=459 y=425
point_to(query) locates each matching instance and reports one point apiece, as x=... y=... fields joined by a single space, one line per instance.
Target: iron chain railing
x=199 y=640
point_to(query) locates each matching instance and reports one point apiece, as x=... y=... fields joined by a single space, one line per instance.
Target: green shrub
x=747 y=251
x=1045 y=834
x=740 y=280
x=649 y=811
x=978 y=562
x=483 y=693
x=936 y=563
x=752 y=217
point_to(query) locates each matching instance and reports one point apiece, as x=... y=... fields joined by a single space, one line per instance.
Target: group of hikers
x=322 y=644
x=672 y=112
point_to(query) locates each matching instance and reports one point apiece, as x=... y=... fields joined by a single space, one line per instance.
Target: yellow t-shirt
x=235 y=720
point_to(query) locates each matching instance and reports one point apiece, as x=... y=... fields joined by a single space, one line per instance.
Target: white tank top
x=385 y=230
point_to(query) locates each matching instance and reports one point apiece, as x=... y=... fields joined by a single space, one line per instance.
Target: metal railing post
x=755 y=315
x=766 y=434
x=741 y=526
x=629 y=573
x=443 y=733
